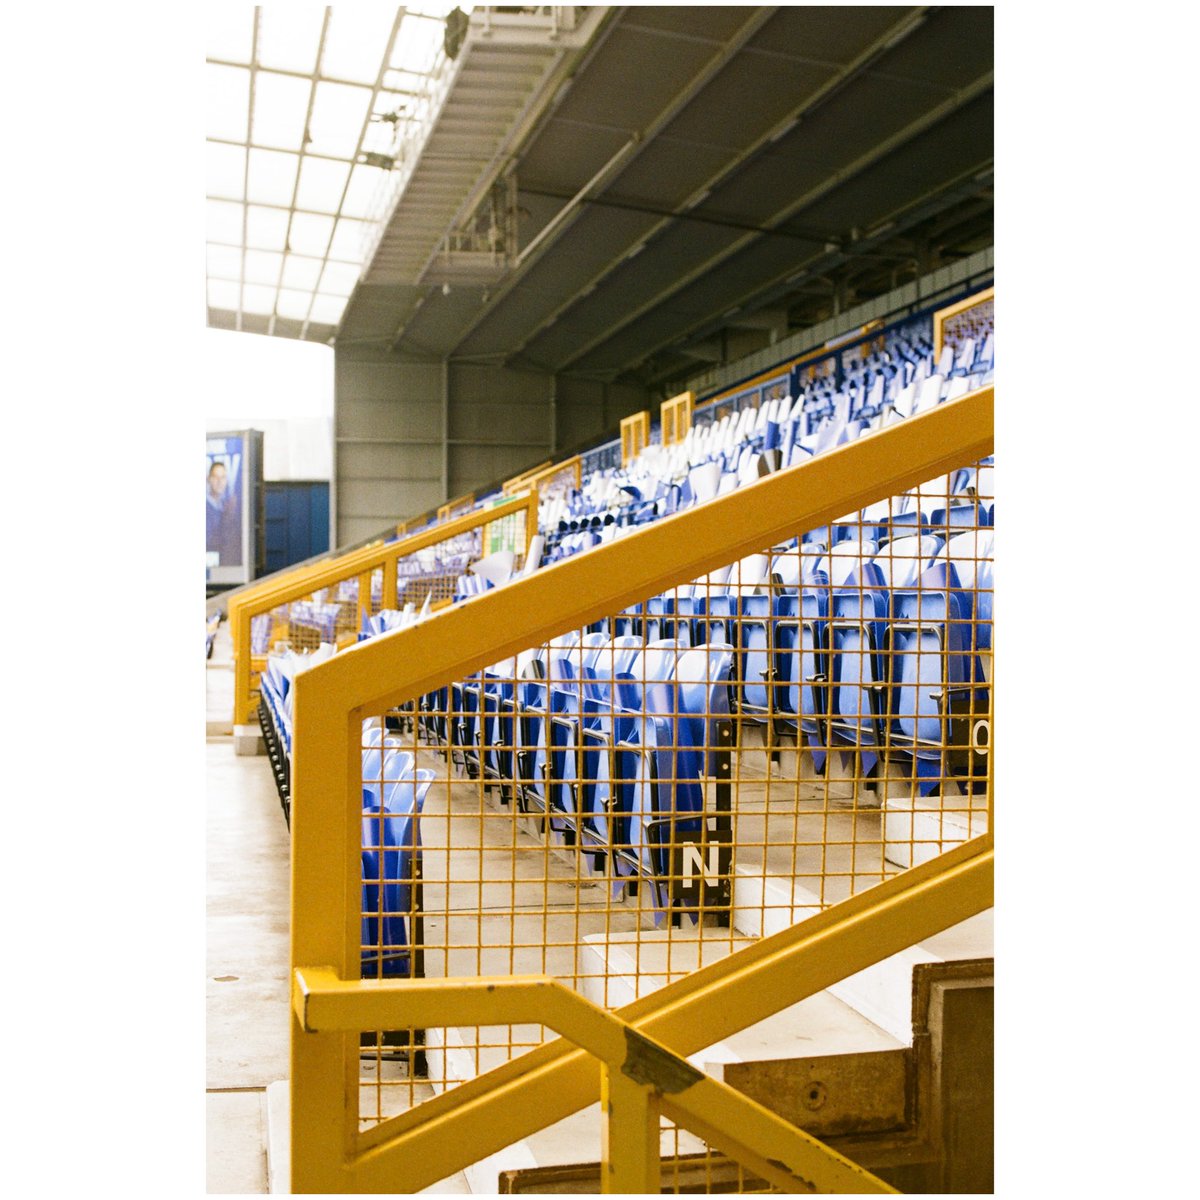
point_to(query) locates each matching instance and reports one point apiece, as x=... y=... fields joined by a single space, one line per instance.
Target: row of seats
x=609 y=738
x=718 y=455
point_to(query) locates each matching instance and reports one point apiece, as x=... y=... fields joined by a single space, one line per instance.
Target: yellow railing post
x=389 y=583
x=630 y=1154
x=364 y=599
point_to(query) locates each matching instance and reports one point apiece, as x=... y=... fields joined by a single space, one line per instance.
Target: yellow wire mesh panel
x=975 y=323
x=625 y=803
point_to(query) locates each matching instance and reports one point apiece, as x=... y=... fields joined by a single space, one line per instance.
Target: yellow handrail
x=641 y=1078
x=332 y=699
x=357 y=564
x=451 y=507
x=511 y=484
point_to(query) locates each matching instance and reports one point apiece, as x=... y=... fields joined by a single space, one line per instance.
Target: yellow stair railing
x=480 y=1116
x=358 y=565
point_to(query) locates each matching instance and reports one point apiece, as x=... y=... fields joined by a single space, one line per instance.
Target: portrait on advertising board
x=223 y=502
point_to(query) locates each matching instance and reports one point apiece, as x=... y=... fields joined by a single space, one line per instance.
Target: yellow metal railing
x=641 y=1079
x=456 y=507
x=511 y=485
x=569 y=471
x=946 y=319
x=360 y=565
x=408 y=1150
x=677 y=417
x=635 y=436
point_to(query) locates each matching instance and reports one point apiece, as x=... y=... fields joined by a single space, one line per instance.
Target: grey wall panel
x=399 y=417
x=388 y=426
x=387 y=500
x=389 y=462
x=588 y=409
x=359 y=529
x=472 y=467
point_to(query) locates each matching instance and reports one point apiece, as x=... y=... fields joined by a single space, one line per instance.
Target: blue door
x=296 y=521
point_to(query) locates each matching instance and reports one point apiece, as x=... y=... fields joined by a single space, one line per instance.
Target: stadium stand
x=616 y=786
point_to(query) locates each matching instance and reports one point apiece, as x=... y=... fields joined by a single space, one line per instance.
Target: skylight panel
x=266 y=228
x=301 y=273
x=272 y=177
x=310 y=234
x=229 y=32
x=337 y=119
x=338 y=279
x=226 y=170
x=417 y=44
x=327 y=310
x=223 y=294
x=280 y=105
x=293 y=304
x=227 y=101
x=321 y=184
x=288 y=37
x=347 y=244
x=262 y=266
x=356 y=41
x=256 y=299
x=224 y=262
x=224 y=222
x=364 y=182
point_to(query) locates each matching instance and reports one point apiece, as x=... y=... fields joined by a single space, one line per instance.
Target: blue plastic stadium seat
x=391 y=847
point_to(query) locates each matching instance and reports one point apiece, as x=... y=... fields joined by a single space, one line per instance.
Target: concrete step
x=766 y=904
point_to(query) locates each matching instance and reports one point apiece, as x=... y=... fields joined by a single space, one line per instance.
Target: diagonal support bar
x=640 y=1075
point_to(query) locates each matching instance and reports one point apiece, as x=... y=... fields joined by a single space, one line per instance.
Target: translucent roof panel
x=228 y=97
x=272 y=178
x=263 y=267
x=224 y=222
x=229 y=32
x=322 y=181
x=327 y=309
x=294 y=304
x=280 y=109
x=356 y=41
x=300 y=272
x=294 y=102
x=289 y=37
x=338 y=279
x=310 y=234
x=258 y=300
x=266 y=228
x=224 y=262
x=347 y=244
x=364 y=183
x=226 y=170
x=336 y=124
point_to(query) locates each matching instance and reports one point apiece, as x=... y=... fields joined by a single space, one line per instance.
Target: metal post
x=629 y=1111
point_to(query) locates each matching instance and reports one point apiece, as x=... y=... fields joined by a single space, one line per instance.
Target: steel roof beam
x=567 y=216
x=890 y=38
x=876 y=154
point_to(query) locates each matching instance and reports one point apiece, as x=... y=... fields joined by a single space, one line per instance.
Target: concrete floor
x=247 y=947
x=246 y=964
